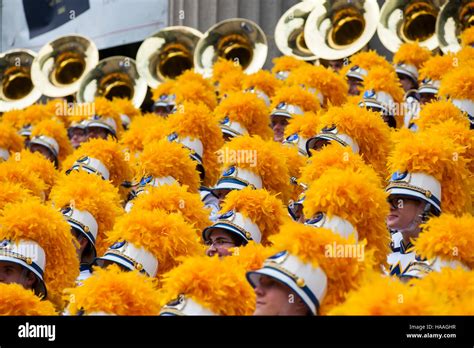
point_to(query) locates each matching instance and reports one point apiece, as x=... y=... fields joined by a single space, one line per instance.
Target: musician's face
x=77 y=137
x=406 y=82
x=42 y=150
x=11 y=273
x=354 y=86
x=278 y=125
x=403 y=211
x=97 y=132
x=427 y=98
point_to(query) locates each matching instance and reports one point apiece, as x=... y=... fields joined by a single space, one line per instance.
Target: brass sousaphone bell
x=17 y=90
x=167 y=54
x=404 y=21
x=239 y=40
x=113 y=77
x=60 y=65
x=338 y=29
x=454 y=17
x=289 y=31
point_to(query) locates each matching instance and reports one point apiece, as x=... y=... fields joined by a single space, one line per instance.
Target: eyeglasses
x=219 y=242
x=399 y=202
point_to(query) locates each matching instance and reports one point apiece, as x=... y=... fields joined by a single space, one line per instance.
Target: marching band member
x=303 y=278
x=408 y=60
x=50 y=138
x=112 y=291
x=203 y=285
x=246 y=215
x=37 y=245
x=243 y=113
x=290 y=102
x=360 y=64
x=151 y=242
x=456 y=86
x=251 y=161
x=88 y=214
x=426 y=182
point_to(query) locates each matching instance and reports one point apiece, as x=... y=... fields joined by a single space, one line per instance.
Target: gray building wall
x=202 y=14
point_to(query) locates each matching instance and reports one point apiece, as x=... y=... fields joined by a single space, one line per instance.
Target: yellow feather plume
x=458 y=83
x=47 y=227
x=366 y=60
x=10 y=140
x=264 y=81
x=11 y=192
x=57 y=131
x=467 y=37
x=194 y=91
x=437 y=112
x=166 y=235
x=459 y=133
x=465 y=55
x=218 y=285
x=248 y=110
x=231 y=82
x=353 y=195
x=110 y=153
x=222 y=68
x=433 y=154
x=332 y=86
x=381 y=79
x=190 y=75
x=263 y=208
x=125 y=106
x=412 y=53
x=286 y=63
x=11 y=171
x=140 y=127
x=383 y=295
x=264 y=158
x=453 y=287
x=298 y=96
x=33 y=162
x=164 y=158
x=89 y=192
x=365 y=127
x=437 y=66
x=175 y=198
x=304 y=126
x=165 y=88
x=334 y=156
x=252 y=256
x=197 y=121
x=114 y=291
x=17 y=301
x=315 y=246
x=32 y=115
x=449 y=238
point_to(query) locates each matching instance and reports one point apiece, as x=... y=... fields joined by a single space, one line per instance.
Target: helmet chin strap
x=418 y=220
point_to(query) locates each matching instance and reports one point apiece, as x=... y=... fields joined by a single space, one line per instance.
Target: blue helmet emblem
x=225 y=120
x=117 y=245
x=369 y=94
x=229 y=171
x=314 y=220
x=293 y=138
x=173 y=136
x=226 y=215
x=397 y=176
